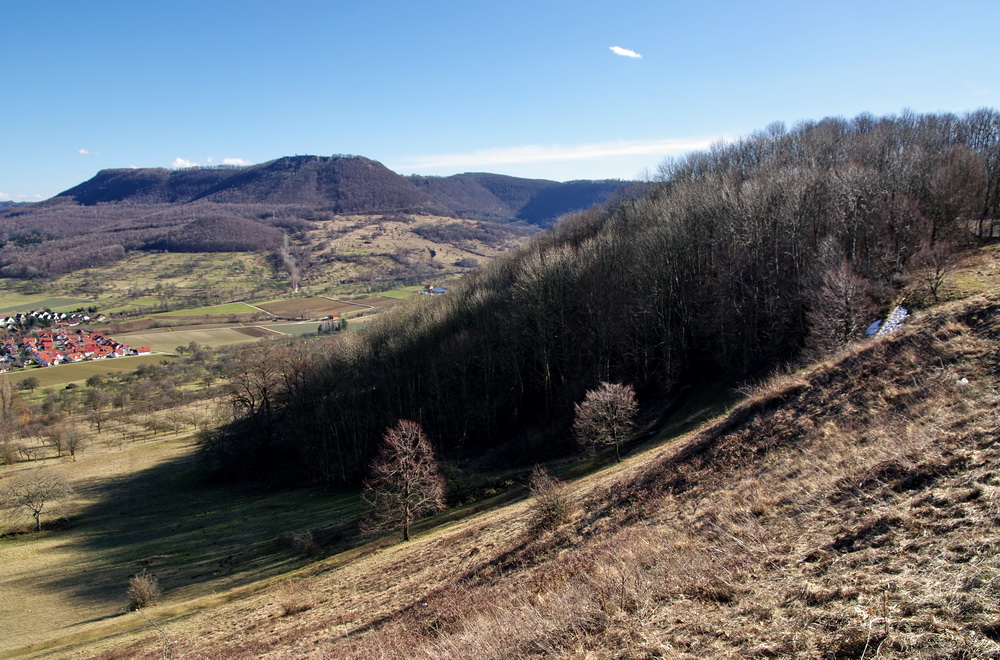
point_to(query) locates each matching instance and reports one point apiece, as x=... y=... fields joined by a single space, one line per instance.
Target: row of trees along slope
x=721 y=270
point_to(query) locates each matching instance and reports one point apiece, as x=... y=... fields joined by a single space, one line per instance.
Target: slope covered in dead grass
x=846 y=511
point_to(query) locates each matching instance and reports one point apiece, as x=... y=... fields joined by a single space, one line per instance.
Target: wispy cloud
x=7 y=197
x=551 y=153
x=180 y=163
x=625 y=52
x=235 y=161
x=87 y=152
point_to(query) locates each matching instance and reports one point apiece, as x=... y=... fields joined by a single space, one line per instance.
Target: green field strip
x=348 y=302
x=29 y=303
x=293 y=329
x=79 y=371
x=230 y=308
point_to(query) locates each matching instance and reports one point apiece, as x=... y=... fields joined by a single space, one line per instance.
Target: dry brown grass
x=848 y=511
x=293 y=597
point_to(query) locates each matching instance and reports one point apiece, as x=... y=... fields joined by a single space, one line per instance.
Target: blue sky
x=527 y=88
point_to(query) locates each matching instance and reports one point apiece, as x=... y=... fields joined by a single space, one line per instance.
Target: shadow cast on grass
x=195 y=536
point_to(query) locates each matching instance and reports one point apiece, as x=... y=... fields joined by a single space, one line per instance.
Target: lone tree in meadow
x=606 y=416
x=30 y=383
x=34 y=491
x=405 y=483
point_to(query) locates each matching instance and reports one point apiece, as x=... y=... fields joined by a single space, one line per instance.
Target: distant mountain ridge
x=347 y=184
x=252 y=208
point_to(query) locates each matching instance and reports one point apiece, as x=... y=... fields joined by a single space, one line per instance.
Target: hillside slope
x=247 y=208
x=345 y=184
x=848 y=510
x=740 y=260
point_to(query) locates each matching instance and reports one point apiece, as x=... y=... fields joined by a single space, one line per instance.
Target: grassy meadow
x=311 y=307
x=783 y=528
x=148 y=506
x=293 y=329
x=758 y=524
x=81 y=371
x=12 y=303
x=402 y=293
x=230 y=308
x=166 y=340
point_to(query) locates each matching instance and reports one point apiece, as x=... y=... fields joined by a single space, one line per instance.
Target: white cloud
x=87 y=152
x=180 y=163
x=235 y=161
x=625 y=52
x=7 y=197
x=551 y=153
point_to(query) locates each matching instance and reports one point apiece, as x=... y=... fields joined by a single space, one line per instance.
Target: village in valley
x=27 y=343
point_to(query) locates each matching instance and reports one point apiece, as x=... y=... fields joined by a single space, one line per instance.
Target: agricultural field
x=317 y=307
x=402 y=293
x=293 y=329
x=230 y=308
x=80 y=371
x=165 y=340
x=12 y=303
x=381 y=302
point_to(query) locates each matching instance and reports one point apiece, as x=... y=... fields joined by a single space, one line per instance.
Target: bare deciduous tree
x=30 y=383
x=53 y=436
x=841 y=309
x=932 y=265
x=10 y=408
x=75 y=439
x=405 y=483
x=606 y=416
x=254 y=385
x=34 y=490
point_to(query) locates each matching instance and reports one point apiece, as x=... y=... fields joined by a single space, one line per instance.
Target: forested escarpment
x=223 y=209
x=495 y=197
x=720 y=271
x=57 y=237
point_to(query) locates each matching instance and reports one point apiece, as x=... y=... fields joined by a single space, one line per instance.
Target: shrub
x=143 y=590
x=293 y=598
x=304 y=543
x=552 y=505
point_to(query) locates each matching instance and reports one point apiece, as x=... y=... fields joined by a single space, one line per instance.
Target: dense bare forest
x=736 y=261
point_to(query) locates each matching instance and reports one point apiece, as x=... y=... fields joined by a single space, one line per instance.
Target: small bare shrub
x=294 y=598
x=304 y=544
x=143 y=590
x=552 y=505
